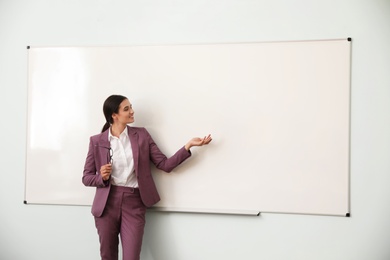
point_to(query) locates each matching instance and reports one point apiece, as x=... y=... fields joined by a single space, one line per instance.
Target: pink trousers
x=123 y=215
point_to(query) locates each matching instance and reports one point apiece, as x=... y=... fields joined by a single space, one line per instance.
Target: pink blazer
x=144 y=151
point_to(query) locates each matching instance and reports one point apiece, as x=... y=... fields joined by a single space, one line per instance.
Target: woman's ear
x=114 y=117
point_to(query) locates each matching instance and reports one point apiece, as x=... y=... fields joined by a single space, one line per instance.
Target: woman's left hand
x=197 y=141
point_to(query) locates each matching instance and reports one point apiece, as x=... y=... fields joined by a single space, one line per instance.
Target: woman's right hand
x=105 y=171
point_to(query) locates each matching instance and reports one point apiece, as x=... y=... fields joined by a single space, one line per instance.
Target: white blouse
x=122 y=161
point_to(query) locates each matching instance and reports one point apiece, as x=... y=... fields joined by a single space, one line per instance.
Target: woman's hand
x=196 y=141
x=105 y=171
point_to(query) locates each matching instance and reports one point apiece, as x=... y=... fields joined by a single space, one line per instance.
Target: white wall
x=64 y=232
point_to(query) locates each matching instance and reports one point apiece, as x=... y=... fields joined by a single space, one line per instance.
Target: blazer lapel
x=104 y=147
x=133 y=136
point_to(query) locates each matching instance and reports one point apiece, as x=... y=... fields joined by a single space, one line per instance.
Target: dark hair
x=111 y=106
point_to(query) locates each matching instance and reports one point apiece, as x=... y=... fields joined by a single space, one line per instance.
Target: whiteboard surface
x=278 y=113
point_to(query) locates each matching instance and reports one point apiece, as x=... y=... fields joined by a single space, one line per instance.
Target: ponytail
x=105 y=127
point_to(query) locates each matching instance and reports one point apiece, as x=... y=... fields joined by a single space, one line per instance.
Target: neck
x=117 y=129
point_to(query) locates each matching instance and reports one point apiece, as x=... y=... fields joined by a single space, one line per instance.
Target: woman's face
x=125 y=113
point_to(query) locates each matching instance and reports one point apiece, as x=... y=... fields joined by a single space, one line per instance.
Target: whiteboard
x=279 y=114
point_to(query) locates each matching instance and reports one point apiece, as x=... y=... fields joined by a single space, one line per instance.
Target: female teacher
x=118 y=165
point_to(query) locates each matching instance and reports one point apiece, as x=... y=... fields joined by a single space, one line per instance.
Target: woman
x=118 y=165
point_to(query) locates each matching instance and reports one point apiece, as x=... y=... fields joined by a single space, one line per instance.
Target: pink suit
x=144 y=151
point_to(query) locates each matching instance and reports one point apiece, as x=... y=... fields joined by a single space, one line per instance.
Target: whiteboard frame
x=30 y=200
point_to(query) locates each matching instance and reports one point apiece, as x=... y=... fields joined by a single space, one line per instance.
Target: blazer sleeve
x=90 y=175
x=161 y=161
